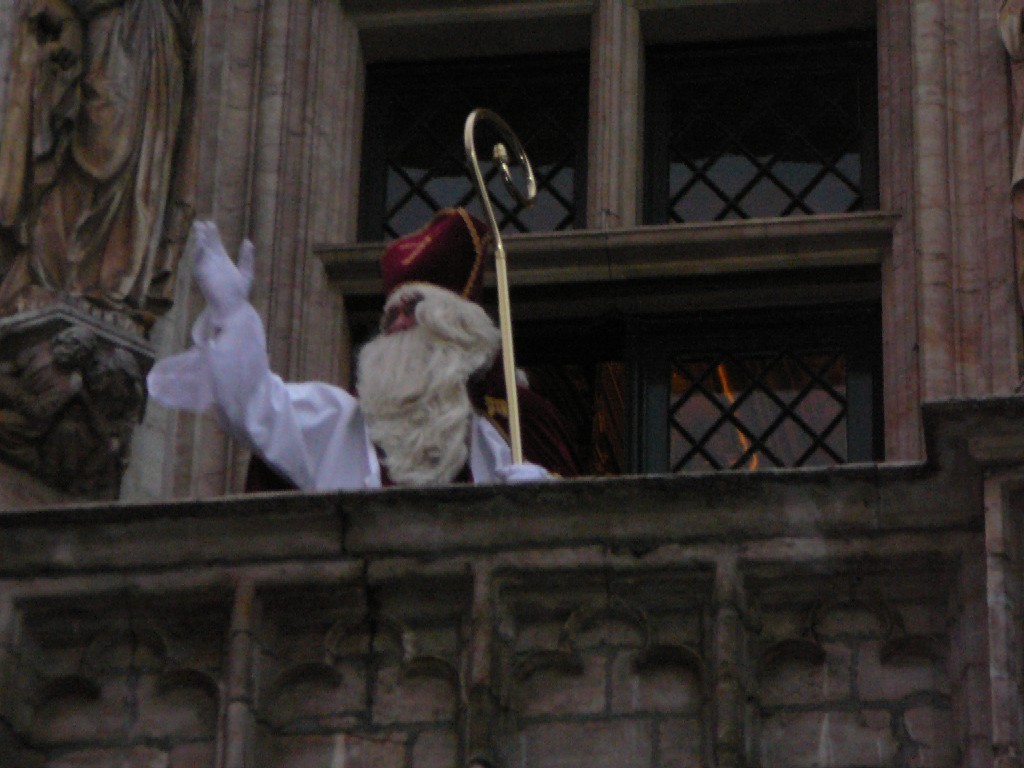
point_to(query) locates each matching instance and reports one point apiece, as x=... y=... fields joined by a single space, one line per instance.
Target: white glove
x=523 y=473
x=185 y=380
x=225 y=286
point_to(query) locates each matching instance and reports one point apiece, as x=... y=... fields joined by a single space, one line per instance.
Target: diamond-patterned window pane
x=757 y=411
x=414 y=158
x=760 y=132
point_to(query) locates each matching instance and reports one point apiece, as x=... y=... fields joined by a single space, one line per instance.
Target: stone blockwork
x=867 y=616
x=111 y=676
x=855 y=670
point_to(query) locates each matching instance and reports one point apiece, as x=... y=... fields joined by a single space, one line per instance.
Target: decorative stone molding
x=71 y=393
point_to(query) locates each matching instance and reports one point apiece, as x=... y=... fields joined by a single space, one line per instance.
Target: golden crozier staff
x=500 y=156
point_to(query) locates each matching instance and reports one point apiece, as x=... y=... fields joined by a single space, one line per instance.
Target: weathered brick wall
x=338 y=680
x=839 y=664
x=857 y=673
x=111 y=679
x=866 y=616
x=604 y=668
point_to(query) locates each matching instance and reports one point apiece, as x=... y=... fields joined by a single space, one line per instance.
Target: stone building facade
x=847 y=616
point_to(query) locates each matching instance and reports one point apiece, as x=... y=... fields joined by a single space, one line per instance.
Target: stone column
x=7 y=26
x=200 y=457
x=305 y=183
x=727 y=685
x=973 y=673
x=951 y=322
x=986 y=307
x=10 y=753
x=615 y=154
x=901 y=363
x=237 y=731
x=933 y=214
x=1003 y=592
x=968 y=324
x=480 y=710
x=8 y=617
x=312 y=195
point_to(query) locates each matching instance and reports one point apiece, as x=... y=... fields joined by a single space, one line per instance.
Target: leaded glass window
x=761 y=131
x=785 y=409
x=730 y=390
x=414 y=162
x=798 y=389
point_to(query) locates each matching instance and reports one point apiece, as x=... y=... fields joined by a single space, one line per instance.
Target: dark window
x=798 y=388
x=749 y=390
x=761 y=131
x=580 y=366
x=784 y=408
x=413 y=159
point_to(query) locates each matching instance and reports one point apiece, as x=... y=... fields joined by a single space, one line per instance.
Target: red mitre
x=448 y=252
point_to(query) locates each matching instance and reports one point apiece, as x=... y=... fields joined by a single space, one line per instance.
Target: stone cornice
x=869 y=502
x=654 y=252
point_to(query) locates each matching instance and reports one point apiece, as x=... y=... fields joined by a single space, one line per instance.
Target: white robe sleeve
x=312 y=433
x=490 y=458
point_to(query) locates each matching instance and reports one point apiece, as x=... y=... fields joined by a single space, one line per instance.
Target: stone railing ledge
x=626 y=512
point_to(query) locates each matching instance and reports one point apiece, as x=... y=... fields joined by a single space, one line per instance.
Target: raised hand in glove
x=186 y=380
x=225 y=286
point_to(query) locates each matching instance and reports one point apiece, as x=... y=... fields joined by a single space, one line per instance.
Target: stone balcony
x=862 y=616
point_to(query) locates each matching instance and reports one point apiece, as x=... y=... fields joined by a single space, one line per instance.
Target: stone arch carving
x=872 y=604
x=345 y=638
x=93 y=674
x=666 y=655
x=797 y=649
x=610 y=662
x=614 y=610
x=185 y=702
x=77 y=686
x=910 y=646
x=189 y=678
x=141 y=641
x=308 y=691
x=413 y=664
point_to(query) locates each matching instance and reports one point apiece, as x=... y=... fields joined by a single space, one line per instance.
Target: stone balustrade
x=867 y=615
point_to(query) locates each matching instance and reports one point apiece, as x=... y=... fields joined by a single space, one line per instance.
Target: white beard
x=412 y=386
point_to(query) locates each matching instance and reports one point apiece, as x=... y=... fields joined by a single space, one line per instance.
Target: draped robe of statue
x=1011 y=29
x=88 y=152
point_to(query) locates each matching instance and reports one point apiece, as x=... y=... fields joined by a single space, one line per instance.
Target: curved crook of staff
x=500 y=154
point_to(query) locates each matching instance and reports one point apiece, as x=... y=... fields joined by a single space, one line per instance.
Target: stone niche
x=116 y=680
x=362 y=674
x=71 y=392
x=608 y=670
x=857 y=665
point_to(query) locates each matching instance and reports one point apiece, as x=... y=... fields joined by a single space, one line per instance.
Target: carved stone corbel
x=71 y=393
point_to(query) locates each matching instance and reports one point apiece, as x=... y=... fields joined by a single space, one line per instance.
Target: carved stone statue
x=67 y=410
x=35 y=390
x=94 y=157
x=86 y=451
x=1011 y=29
